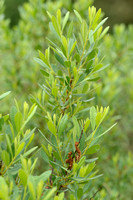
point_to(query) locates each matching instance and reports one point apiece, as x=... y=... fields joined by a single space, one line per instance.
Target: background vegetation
x=20 y=74
x=113 y=9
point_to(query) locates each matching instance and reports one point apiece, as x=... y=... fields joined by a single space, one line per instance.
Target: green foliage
x=72 y=135
x=115 y=90
x=20 y=44
x=66 y=87
x=11 y=10
x=16 y=169
x=69 y=81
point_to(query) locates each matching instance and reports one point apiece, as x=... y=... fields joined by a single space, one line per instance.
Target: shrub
x=66 y=89
x=20 y=44
x=73 y=133
x=115 y=90
x=16 y=171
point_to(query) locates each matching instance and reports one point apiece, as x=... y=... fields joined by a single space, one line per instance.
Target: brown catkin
x=77 y=152
x=70 y=160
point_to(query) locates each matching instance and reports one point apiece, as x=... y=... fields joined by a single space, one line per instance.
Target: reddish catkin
x=70 y=160
x=77 y=156
x=77 y=152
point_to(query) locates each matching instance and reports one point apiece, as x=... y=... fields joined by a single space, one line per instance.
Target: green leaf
x=50 y=16
x=92 y=54
x=54 y=31
x=104 y=32
x=93 y=149
x=23 y=177
x=13 y=112
x=59 y=17
x=31 y=185
x=28 y=136
x=93 y=117
x=30 y=115
x=40 y=189
x=46 y=138
x=3 y=189
x=55 y=163
x=91 y=160
x=20 y=148
x=78 y=16
x=44 y=73
x=43 y=58
x=102 y=68
x=73 y=47
x=49 y=194
x=76 y=126
x=5 y=157
x=97 y=67
x=91 y=37
x=81 y=162
x=85 y=88
x=44 y=177
x=89 y=53
x=45 y=149
x=87 y=123
x=60 y=196
x=52 y=127
x=90 y=168
x=67 y=64
x=84 y=31
x=62 y=124
x=65 y=20
x=105 y=131
x=40 y=62
x=79 y=193
x=97 y=17
x=70 y=30
x=98 y=118
x=18 y=120
x=9 y=144
x=56 y=25
x=94 y=177
x=29 y=151
x=14 y=169
x=1 y=123
x=56 y=155
x=4 y=95
x=59 y=59
x=55 y=91
x=44 y=156
x=100 y=24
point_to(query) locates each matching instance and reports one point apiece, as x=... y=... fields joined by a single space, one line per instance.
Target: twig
x=81 y=133
x=94 y=194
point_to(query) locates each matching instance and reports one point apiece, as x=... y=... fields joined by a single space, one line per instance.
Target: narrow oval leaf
x=65 y=20
x=18 y=120
x=62 y=124
x=93 y=117
x=52 y=127
x=20 y=148
x=23 y=177
x=5 y=157
x=4 y=95
x=93 y=149
x=78 y=16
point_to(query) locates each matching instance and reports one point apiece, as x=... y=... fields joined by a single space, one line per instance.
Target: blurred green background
x=12 y=10
x=23 y=32
x=118 y=11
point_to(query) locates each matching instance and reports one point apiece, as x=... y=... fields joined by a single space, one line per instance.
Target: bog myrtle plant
x=16 y=169
x=19 y=38
x=115 y=90
x=70 y=63
x=73 y=128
